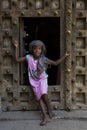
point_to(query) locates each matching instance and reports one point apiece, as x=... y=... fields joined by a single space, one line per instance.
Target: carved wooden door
x=25 y=20
x=61 y=25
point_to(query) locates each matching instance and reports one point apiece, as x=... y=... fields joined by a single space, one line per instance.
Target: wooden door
x=61 y=25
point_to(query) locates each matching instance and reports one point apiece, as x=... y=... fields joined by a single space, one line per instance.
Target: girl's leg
x=46 y=118
x=46 y=101
x=42 y=105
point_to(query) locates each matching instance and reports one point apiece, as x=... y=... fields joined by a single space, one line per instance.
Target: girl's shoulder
x=44 y=59
x=43 y=56
x=28 y=57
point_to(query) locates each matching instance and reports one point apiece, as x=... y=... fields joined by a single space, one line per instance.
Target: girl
x=37 y=65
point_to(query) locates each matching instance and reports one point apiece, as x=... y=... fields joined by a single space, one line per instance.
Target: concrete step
x=36 y=115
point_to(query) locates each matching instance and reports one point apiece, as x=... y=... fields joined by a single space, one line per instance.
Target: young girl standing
x=37 y=65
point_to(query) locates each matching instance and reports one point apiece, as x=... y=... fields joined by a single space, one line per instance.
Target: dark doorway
x=47 y=30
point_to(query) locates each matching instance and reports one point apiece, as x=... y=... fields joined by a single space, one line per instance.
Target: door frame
x=65 y=14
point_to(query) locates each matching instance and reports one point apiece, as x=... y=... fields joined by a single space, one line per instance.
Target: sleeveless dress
x=39 y=85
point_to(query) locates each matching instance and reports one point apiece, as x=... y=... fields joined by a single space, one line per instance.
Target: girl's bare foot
x=51 y=115
x=45 y=121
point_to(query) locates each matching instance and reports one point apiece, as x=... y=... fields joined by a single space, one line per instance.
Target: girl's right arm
x=15 y=43
x=59 y=60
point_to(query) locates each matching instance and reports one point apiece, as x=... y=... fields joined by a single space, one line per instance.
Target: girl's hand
x=67 y=54
x=15 y=43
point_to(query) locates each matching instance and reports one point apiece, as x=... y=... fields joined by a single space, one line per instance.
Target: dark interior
x=47 y=30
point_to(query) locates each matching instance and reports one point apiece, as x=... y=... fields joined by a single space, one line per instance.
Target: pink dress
x=40 y=85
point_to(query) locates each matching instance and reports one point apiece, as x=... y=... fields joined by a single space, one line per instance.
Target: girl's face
x=37 y=50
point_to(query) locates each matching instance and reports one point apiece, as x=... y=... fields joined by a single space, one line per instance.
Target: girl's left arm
x=59 y=60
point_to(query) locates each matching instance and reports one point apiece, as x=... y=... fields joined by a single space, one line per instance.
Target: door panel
x=79 y=60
